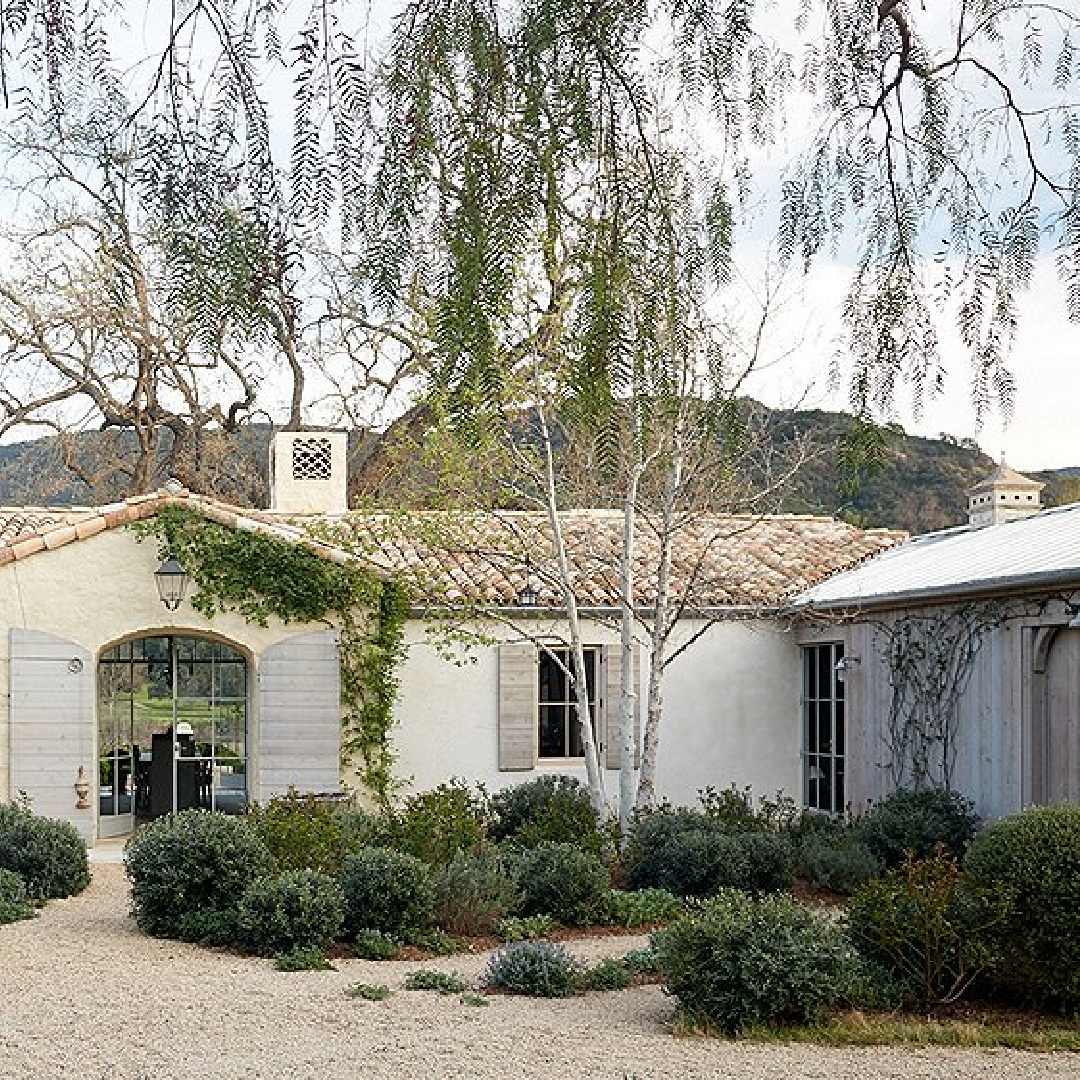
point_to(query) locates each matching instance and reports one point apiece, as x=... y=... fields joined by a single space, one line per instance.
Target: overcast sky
x=806 y=335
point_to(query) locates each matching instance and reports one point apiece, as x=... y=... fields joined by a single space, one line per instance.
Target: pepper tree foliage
x=944 y=146
x=262 y=577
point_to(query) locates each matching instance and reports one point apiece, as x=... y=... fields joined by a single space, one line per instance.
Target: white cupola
x=1003 y=495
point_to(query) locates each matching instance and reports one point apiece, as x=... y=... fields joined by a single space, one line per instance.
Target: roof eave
x=964 y=590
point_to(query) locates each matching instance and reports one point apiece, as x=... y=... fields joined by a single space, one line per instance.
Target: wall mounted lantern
x=172 y=580
x=526 y=596
x=844 y=665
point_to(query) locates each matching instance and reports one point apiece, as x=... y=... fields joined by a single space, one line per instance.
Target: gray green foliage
x=385 y=890
x=689 y=853
x=473 y=891
x=47 y=854
x=368 y=991
x=535 y=969
x=836 y=860
x=607 y=975
x=559 y=880
x=375 y=945
x=642 y=908
x=445 y=982
x=552 y=807
x=189 y=872
x=525 y=928
x=297 y=909
x=739 y=961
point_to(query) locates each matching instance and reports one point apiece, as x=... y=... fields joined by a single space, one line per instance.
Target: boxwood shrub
x=916 y=822
x=189 y=872
x=386 y=890
x=1034 y=859
x=298 y=909
x=740 y=961
x=48 y=854
x=560 y=880
x=549 y=808
x=689 y=853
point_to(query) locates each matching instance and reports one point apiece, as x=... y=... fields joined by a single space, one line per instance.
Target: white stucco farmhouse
x=114 y=707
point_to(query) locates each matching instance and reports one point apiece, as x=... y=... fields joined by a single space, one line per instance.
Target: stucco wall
x=731 y=714
x=95 y=592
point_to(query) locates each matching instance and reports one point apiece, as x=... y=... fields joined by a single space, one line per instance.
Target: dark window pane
x=838 y=794
x=825 y=784
x=840 y=727
x=811 y=726
x=552 y=731
x=810 y=672
x=825 y=738
x=825 y=670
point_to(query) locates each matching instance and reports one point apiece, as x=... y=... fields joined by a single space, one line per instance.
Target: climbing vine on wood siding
x=262 y=577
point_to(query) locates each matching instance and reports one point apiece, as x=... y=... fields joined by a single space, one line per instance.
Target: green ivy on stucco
x=263 y=577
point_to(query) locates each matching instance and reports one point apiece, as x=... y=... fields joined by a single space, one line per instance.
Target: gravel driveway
x=82 y=994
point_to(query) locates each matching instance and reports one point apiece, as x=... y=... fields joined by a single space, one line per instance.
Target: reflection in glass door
x=172 y=729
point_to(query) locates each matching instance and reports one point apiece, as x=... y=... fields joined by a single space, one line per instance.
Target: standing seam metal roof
x=1041 y=548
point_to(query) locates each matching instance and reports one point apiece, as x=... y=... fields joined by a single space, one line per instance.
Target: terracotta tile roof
x=718 y=561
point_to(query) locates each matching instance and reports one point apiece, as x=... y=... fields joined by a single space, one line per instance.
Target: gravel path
x=82 y=994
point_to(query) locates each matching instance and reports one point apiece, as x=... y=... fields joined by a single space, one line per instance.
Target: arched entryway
x=1055 y=742
x=172 y=729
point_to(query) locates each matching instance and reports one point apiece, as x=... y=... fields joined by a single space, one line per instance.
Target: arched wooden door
x=1060 y=764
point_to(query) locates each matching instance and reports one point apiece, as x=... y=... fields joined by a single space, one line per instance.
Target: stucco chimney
x=1003 y=495
x=308 y=472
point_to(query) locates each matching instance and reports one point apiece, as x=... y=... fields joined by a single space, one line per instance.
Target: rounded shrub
x=301 y=833
x=1033 y=858
x=916 y=822
x=551 y=807
x=690 y=854
x=740 y=961
x=837 y=861
x=473 y=891
x=48 y=854
x=298 y=909
x=14 y=904
x=386 y=890
x=189 y=872
x=536 y=969
x=561 y=880
x=434 y=825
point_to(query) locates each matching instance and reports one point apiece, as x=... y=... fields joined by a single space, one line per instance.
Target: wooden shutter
x=612 y=704
x=518 y=690
x=299 y=732
x=52 y=724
